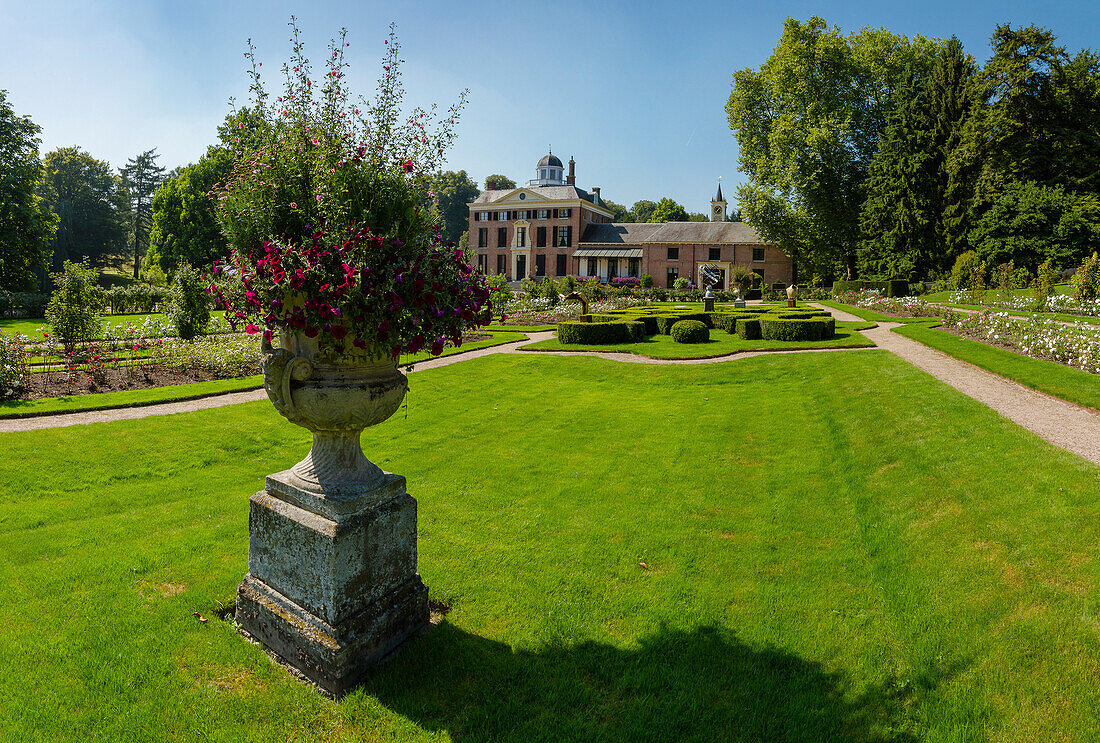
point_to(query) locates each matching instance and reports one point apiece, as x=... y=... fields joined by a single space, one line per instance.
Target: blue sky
x=634 y=91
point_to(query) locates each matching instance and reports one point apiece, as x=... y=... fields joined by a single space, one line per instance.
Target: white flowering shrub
x=1076 y=345
x=13 y=365
x=224 y=357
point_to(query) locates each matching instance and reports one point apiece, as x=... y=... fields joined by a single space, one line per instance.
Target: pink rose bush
x=333 y=230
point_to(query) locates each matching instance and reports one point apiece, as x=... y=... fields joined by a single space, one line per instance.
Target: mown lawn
x=721 y=343
x=32 y=327
x=822 y=547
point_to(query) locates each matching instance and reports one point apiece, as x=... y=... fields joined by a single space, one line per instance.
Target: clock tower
x=718 y=206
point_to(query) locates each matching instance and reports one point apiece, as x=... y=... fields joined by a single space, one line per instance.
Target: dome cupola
x=549 y=171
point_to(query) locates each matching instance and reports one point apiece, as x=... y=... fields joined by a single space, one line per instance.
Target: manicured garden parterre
x=822 y=547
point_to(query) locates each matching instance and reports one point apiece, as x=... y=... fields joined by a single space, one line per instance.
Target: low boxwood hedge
x=781 y=329
x=599 y=333
x=749 y=328
x=726 y=321
x=665 y=322
x=690 y=331
x=891 y=288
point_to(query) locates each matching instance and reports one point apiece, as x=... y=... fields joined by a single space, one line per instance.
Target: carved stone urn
x=332 y=585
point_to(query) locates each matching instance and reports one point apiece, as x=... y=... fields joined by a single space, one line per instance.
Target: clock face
x=717 y=210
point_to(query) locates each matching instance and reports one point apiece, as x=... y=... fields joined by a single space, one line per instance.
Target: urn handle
x=280 y=367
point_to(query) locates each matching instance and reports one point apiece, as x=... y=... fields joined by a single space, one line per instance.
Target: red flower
x=408 y=166
x=437 y=347
x=251 y=329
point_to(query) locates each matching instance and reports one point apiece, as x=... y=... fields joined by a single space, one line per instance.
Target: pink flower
x=408 y=166
x=251 y=329
x=294 y=205
x=318 y=198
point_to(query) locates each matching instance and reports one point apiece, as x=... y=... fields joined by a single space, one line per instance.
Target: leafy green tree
x=85 y=194
x=668 y=210
x=189 y=306
x=619 y=213
x=26 y=223
x=140 y=178
x=1030 y=223
x=808 y=123
x=74 y=311
x=184 y=229
x=454 y=191
x=642 y=211
x=498 y=182
x=905 y=223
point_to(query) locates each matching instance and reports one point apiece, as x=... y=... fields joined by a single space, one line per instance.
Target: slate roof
x=555 y=193
x=701 y=233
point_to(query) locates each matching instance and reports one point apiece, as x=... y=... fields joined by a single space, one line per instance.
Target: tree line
x=874 y=155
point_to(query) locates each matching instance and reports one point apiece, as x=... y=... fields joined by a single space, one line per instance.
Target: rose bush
x=332 y=226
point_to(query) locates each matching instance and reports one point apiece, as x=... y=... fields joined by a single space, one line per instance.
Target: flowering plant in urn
x=336 y=257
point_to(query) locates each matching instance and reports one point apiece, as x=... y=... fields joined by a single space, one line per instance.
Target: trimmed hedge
x=891 y=288
x=779 y=329
x=690 y=331
x=726 y=321
x=749 y=328
x=598 y=333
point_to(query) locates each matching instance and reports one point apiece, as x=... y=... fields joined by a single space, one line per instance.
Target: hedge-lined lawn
x=870 y=315
x=721 y=343
x=194 y=390
x=945 y=296
x=836 y=547
x=1062 y=381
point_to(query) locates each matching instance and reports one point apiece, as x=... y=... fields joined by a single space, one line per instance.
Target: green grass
x=497 y=327
x=126 y=398
x=837 y=548
x=191 y=391
x=1062 y=381
x=870 y=315
x=721 y=344
x=945 y=296
x=32 y=327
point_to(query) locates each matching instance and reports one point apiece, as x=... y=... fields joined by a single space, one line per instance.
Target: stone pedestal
x=332 y=585
x=739 y=303
x=708 y=304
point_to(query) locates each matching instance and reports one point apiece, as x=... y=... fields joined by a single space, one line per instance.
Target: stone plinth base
x=740 y=303
x=332 y=585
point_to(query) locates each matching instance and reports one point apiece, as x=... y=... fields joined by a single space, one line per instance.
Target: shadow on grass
x=703 y=685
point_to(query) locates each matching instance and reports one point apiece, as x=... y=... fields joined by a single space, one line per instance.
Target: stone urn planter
x=332 y=585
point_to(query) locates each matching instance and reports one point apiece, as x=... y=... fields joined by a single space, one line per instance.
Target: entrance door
x=521 y=267
x=612 y=268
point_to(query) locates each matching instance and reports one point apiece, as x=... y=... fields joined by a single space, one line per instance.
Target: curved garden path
x=1063 y=424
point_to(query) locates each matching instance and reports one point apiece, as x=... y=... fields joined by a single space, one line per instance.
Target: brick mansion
x=550 y=227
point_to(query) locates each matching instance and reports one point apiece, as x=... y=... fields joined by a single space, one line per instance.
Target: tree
x=619 y=213
x=808 y=124
x=85 y=195
x=642 y=210
x=140 y=178
x=189 y=308
x=183 y=227
x=905 y=223
x=454 y=191
x=26 y=223
x=1030 y=223
x=668 y=210
x=75 y=307
x=498 y=182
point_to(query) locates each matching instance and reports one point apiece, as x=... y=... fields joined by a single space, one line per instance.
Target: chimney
x=596 y=191
x=572 y=179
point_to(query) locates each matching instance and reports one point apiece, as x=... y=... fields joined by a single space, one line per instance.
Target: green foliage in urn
x=330 y=218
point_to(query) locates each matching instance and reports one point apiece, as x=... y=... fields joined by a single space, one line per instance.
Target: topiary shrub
x=599 y=333
x=690 y=331
x=780 y=329
x=189 y=308
x=749 y=328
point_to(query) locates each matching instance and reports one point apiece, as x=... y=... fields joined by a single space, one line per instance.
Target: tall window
x=612 y=268
x=673 y=274
x=632 y=266
x=483 y=237
x=593 y=267
x=674 y=254
x=562 y=236
x=521 y=237
x=502 y=237
x=561 y=267
x=758 y=254
x=540 y=237
x=540 y=264
x=481 y=263
x=500 y=263
x=715 y=254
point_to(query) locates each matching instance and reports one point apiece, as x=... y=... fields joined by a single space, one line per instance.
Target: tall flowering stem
x=333 y=229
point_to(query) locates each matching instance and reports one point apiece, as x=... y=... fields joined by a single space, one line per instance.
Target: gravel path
x=1063 y=424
